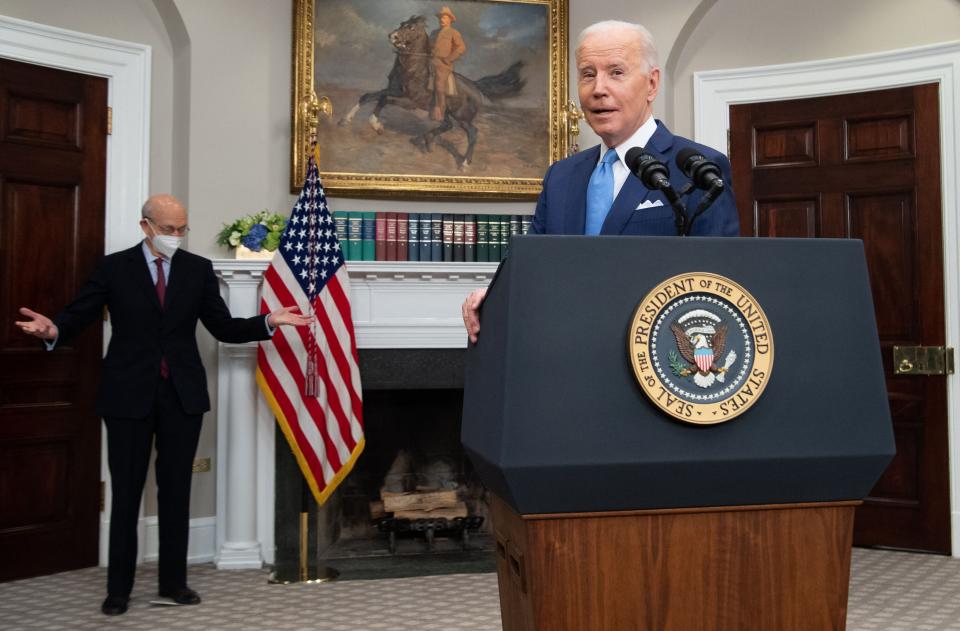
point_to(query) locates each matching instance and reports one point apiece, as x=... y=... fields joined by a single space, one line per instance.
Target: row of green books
x=382 y=236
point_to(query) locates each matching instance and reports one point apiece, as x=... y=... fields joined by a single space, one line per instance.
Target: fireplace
x=412 y=491
x=411 y=340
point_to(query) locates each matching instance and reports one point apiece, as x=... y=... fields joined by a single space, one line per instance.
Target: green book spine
x=345 y=237
x=340 y=225
x=494 y=231
x=483 y=238
x=470 y=238
x=355 y=235
x=504 y=235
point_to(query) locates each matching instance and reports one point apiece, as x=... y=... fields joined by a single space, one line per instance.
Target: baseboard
x=202 y=539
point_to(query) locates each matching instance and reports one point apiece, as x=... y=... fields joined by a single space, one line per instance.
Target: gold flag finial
x=571 y=117
x=312 y=108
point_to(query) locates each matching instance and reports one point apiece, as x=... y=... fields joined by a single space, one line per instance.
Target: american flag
x=309 y=376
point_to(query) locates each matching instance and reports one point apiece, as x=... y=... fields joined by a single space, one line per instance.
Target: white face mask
x=166 y=245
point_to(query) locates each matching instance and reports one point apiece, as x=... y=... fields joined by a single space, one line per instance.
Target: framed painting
x=430 y=98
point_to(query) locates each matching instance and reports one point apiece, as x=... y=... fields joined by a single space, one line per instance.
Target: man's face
x=169 y=218
x=445 y=20
x=616 y=89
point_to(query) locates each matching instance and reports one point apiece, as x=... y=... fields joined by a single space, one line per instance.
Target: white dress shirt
x=640 y=138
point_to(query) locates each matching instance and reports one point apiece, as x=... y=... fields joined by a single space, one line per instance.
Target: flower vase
x=245 y=253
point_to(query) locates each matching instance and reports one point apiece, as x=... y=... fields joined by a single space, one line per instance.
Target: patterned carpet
x=890 y=591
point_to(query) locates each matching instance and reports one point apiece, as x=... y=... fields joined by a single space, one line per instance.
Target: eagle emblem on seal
x=701 y=339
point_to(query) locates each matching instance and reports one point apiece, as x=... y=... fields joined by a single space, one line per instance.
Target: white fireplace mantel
x=394 y=305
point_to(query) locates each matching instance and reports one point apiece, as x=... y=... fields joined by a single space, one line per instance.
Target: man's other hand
x=471 y=315
x=38 y=325
x=287 y=317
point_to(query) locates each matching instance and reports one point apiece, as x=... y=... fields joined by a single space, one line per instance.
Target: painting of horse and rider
x=434 y=88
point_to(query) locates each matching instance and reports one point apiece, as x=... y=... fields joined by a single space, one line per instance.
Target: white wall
x=221 y=90
x=745 y=33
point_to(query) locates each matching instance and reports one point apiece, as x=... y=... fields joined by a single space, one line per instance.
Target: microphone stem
x=679 y=211
x=716 y=188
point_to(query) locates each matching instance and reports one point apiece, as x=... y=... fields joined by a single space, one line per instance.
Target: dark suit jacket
x=143 y=332
x=561 y=208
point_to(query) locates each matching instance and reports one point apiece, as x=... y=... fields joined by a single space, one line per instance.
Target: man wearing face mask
x=153 y=384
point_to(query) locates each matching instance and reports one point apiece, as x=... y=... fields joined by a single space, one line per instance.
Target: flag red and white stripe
x=310 y=376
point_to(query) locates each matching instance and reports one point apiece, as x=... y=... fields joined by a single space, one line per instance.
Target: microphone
x=704 y=174
x=653 y=173
x=656 y=176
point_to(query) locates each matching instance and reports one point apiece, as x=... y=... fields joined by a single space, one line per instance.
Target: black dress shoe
x=181 y=595
x=114 y=605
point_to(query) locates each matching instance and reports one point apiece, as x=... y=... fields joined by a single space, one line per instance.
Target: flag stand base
x=303 y=573
x=313 y=576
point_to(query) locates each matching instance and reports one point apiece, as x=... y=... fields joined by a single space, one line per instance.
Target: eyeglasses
x=169 y=231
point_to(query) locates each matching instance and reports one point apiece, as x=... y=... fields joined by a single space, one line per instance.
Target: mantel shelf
x=395 y=304
x=372 y=270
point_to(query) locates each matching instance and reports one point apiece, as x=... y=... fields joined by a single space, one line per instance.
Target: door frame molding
x=127 y=68
x=716 y=90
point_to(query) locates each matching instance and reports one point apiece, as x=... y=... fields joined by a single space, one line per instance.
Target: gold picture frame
x=516 y=136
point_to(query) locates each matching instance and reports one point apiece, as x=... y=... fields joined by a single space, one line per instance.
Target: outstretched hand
x=287 y=317
x=38 y=325
x=471 y=315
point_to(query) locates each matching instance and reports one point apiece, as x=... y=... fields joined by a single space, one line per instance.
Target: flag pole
x=311 y=108
x=304 y=573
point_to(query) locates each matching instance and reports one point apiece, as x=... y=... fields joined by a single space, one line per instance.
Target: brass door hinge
x=922 y=360
x=729 y=145
x=109 y=120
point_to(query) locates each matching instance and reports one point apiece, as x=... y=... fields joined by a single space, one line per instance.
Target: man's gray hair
x=157 y=201
x=648 y=50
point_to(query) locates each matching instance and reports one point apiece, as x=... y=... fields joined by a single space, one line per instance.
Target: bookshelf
x=427 y=237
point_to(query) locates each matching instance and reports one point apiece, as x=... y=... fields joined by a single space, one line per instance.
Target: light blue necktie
x=600 y=193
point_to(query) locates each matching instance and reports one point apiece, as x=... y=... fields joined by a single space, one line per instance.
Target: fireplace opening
x=413 y=492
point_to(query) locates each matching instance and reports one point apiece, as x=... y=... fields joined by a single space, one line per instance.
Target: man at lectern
x=593 y=192
x=153 y=386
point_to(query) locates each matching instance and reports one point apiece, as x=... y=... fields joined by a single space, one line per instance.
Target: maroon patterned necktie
x=161 y=294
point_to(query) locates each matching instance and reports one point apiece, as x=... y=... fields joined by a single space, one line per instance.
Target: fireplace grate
x=429 y=528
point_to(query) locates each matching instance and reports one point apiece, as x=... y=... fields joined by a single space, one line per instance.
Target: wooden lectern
x=610 y=515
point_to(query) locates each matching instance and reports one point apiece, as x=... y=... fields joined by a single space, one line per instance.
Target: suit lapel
x=141 y=274
x=633 y=193
x=576 y=202
x=660 y=143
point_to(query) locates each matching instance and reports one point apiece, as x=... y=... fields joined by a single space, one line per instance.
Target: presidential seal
x=701 y=348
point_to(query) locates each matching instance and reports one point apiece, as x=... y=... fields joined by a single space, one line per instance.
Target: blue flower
x=255 y=237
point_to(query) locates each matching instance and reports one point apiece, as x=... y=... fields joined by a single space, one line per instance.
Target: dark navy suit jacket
x=561 y=208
